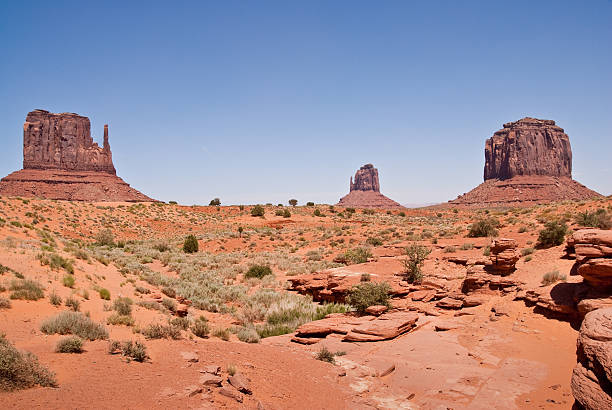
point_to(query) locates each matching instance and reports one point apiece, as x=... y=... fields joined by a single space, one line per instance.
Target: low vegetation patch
x=21 y=370
x=161 y=331
x=484 y=228
x=258 y=271
x=596 y=219
x=191 y=244
x=553 y=234
x=131 y=350
x=366 y=294
x=74 y=323
x=552 y=277
x=415 y=257
x=357 y=255
x=26 y=289
x=69 y=344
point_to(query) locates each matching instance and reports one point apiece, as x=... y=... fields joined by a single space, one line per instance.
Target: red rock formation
x=528 y=147
x=592 y=376
x=63 y=141
x=365 y=191
x=61 y=161
x=527 y=162
x=593 y=248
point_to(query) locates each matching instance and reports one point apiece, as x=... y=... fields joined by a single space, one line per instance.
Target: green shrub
x=26 y=289
x=286 y=213
x=123 y=306
x=374 y=241
x=553 y=234
x=69 y=344
x=5 y=303
x=596 y=219
x=527 y=251
x=258 y=210
x=55 y=299
x=132 y=350
x=416 y=255
x=104 y=294
x=105 y=238
x=56 y=262
x=200 y=327
x=21 y=370
x=74 y=323
x=258 y=271
x=72 y=303
x=215 y=202
x=484 y=228
x=159 y=331
x=552 y=277
x=68 y=280
x=325 y=355
x=120 y=320
x=357 y=255
x=191 y=244
x=248 y=335
x=317 y=212
x=366 y=294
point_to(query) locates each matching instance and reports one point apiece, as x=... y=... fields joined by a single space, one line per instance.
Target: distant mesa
x=527 y=162
x=61 y=161
x=365 y=191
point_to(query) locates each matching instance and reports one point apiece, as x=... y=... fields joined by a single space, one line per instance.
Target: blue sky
x=268 y=100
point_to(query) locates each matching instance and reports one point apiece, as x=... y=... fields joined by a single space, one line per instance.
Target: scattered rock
x=208 y=379
x=231 y=392
x=212 y=369
x=376 y=310
x=240 y=382
x=191 y=357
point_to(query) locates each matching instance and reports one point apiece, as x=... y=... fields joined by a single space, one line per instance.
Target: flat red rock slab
x=387 y=326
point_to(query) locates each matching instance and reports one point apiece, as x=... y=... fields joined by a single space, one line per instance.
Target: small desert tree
x=190 y=245
x=293 y=202
x=240 y=230
x=215 y=202
x=416 y=255
x=553 y=234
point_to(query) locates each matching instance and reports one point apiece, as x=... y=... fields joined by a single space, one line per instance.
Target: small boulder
x=376 y=310
x=240 y=382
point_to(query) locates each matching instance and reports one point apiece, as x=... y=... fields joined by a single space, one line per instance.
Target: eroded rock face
x=63 y=141
x=592 y=376
x=61 y=161
x=365 y=191
x=366 y=179
x=528 y=146
x=504 y=255
x=593 y=250
x=527 y=162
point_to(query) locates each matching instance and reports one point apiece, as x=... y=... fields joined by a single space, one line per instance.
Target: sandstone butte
x=527 y=162
x=61 y=161
x=365 y=191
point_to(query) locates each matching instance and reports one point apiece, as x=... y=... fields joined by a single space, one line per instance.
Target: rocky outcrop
x=504 y=255
x=61 y=161
x=526 y=163
x=592 y=376
x=365 y=191
x=63 y=141
x=493 y=275
x=593 y=249
x=528 y=146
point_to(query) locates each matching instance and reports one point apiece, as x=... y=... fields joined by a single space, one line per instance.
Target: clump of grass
x=199 y=327
x=553 y=234
x=104 y=294
x=231 y=369
x=258 y=271
x=68 y=281
x=55 y=299
x=26 y=289
x=596 y=219
x=467 y=246
x=450 y=249
x=484 y=228
x=191 y=244
x=160 y=331
x=5 y=303
x=132 y=350
x=325 y=355
x=69 y=344
x=120 y=320
x=248 y=335
x=357 y=255
x=21 y=370
x=123 y=306
x=182 y=323
x=56 y=262
x=366 y=294
x=527 y=251
x=72 y=303
x=552 y=277
x=416 y=255
x=169 y=304
x=223 y=334
x=74 y=323
x=105 y=237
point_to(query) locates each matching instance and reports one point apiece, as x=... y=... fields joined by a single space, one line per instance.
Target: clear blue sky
x=261 y=101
